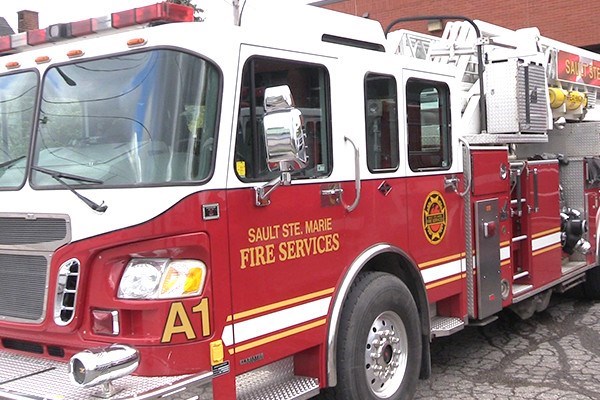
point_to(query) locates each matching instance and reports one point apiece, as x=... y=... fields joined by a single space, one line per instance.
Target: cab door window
x=309 y=84
x=381 y=123
x=428 y=119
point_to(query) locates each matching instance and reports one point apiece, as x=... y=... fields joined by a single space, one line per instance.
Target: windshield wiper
x=59 y=176
x=11 y=162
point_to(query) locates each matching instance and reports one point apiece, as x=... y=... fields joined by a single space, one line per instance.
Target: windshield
x=130 y=120
x=17 y=100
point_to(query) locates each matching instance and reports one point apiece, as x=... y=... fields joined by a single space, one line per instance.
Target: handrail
x=357 y=183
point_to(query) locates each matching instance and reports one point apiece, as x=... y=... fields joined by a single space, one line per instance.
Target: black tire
x=379 y=327
x=591 y=286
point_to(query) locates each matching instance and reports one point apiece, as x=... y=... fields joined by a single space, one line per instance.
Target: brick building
x=28 y=20
x=570 y=22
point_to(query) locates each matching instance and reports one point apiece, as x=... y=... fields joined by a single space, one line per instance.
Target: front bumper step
x=28 y=378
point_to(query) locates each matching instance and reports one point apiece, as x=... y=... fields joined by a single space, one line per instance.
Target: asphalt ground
x=553 y=355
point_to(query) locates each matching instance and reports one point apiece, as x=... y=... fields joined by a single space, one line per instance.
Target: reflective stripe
x=443 y=271
x=545 y=241
x=272 y=322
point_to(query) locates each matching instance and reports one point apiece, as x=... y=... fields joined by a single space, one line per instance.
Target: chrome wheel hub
x=386 y=353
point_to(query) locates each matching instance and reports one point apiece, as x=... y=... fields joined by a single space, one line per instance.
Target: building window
x=428 y=119
x=309 y=84
x=381 y=123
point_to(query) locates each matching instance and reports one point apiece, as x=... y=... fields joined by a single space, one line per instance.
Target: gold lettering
x=321 y=248
x=283 y=251
x=318 y=225
x=335 y=241
x=202 y=308
x=251 y=235
x=300 y=246
x=244 y=255
x=257 y=256
x=291 y=229
x=177 y=311
x=263 y=233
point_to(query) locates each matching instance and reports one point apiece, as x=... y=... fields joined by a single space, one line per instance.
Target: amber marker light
x=42 y=59
x=136 y=42
x=12 y=65
x=75 y=53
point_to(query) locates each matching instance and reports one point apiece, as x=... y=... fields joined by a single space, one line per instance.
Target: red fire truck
x=279 y=200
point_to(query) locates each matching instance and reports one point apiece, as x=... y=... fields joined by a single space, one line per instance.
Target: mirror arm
x=357 y=184
x=263 y=193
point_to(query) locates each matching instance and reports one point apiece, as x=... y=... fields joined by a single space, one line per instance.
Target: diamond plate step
x=571 y=266
x=276 y=382
x=25 y=377
x=446 y=326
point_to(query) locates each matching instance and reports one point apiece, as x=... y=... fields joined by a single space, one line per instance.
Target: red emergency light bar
x=161 y=12
x=82 y=28
x=5 y=44
x=36 y=36
x=155 y=13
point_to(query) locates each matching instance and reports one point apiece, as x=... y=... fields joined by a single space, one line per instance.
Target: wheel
x=591 y=286
x=379 y=341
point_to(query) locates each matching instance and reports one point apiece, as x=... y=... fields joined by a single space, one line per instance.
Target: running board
x=276 y=381
x=571 y=283
x=520 y=275
x=446 y=326
x=520 y=289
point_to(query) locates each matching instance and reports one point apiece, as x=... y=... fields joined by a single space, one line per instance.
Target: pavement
x=554 y=355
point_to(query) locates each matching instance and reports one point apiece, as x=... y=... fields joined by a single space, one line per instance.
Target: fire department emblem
x=435 y=217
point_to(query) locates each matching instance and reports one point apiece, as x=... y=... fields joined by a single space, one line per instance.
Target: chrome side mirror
x=284 y=140
x=284 y=135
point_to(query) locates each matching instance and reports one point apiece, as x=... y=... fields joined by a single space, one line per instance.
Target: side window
x=309 y=84
x=381 y=115
x=428 y=118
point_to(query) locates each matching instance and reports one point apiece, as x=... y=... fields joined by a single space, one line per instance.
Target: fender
x=357 y=266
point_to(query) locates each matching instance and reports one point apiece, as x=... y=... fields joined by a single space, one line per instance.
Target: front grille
x=28 y=231
x=22 y=286
x=27 y=242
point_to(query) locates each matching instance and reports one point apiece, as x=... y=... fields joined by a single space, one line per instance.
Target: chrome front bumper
x=28 y=378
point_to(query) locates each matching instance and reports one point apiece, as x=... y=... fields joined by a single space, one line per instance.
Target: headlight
x=160 y=278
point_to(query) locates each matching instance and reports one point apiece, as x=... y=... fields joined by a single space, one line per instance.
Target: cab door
x=435 y=210
x=281 y=244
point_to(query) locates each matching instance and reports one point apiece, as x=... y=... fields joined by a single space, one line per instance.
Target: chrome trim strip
x=62 y=289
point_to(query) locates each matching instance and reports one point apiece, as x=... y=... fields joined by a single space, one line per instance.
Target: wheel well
x=389 y=259
x=395 y=264
x=398 y=265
